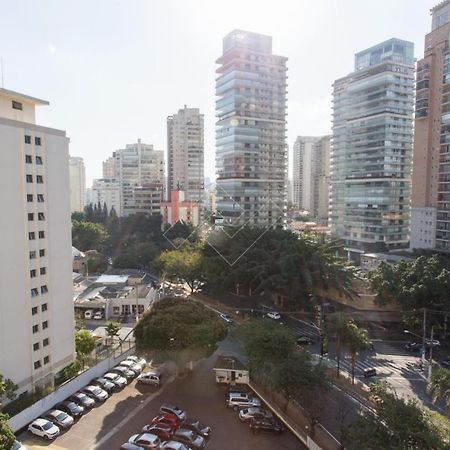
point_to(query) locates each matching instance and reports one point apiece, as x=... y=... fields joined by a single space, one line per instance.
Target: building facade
x=311 y=172
x=37 y=317
x=251 y=153
x=430 y=202
x=185 y=153
x=371 y=153
x=180 y=210
x=107 y=190
x=148 y=198
x=77 y=176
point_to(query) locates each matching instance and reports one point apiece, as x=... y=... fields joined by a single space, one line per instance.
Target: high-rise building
x=134 y=166
x=430 y=201
x=77 y=176
x=310 y=174
x=185 y=153
x=372 y=150
x=107 y=190
x=109 y=168
x=36 y=304
x=251 y=153
x=148 y=198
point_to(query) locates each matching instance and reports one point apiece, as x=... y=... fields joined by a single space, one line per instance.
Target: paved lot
x=108 y=426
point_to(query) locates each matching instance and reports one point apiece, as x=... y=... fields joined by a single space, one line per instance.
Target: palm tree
x=355 y=339
x=439 y=386
x=338 y=326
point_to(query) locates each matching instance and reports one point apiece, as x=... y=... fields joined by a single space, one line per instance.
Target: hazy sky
x=114 y=70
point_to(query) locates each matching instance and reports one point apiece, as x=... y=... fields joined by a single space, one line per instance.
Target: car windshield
x=61 y=416
x=46 y=426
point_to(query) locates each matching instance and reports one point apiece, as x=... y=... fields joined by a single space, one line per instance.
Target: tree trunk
x=338 y=356
x=448 y=409
x=353 y=368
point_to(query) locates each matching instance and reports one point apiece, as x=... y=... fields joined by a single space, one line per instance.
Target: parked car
x=189 y=438
x=173 y=445
x=105 y=384
x=145 y=440
x=254 y=413
x=242 y=401
x=137 y=360
x=432 y=343
x=43 y=428
x=226 y=318
x=59 y=418
x=81 y=399
x=162 y=430
x=370 y=372
x=96 y=393
x=152 y=377
x=265 y=426
x=117 y=379
x=89 y=314
x=71 y=408
x=274 y=315
x=197 y=427
x=18 y=446
x=130 y=446
x=303 y=340
x=124 y=372
x=168 y=419
x=413 y=346
x=98 y=315
x=168 y=408
x=131 y=365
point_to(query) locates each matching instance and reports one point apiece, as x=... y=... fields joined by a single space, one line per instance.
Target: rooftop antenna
x=1 y=64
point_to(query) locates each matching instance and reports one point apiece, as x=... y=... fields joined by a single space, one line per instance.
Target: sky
x=114 y=70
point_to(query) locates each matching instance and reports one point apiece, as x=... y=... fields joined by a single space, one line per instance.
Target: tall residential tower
x=77 y=176
x=251 y=153
x=372 y=150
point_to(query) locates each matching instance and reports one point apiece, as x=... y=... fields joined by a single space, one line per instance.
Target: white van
x=89 y=314
x=241 y=400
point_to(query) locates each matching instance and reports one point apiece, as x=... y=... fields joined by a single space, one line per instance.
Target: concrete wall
x=66 y=390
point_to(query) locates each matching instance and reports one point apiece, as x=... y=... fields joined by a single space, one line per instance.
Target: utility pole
x=430 y=366
x=137 y=301
x=424 y=331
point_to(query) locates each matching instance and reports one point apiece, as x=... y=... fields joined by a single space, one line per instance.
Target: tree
x=398 y=424
x=178 y=329
x=88 y=236
x=112 y=329
x=439 y=387
x=84 y=345
x=355 y=339
x=337 y=325
x=7 y=389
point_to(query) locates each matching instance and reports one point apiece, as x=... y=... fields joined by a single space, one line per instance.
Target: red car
x=162 y=430
x=167 y=419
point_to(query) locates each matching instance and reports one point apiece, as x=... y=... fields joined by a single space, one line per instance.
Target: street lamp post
x=430 y=363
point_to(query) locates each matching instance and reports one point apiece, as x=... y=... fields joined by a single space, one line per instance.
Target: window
x=41 y=234
x=33 y=273
x=30 y=217
x=37 y=364
x=37 y=141
x=40 y=198
x=41 y=252
x=39 y=160
x=43 y=270
x=27 y=139
x=39 y=179
x=28 y=159
x=46 y=359
x=34 y=292
x=36 y=346
x=17 y=105
x=45 y=342
x=44 y=307
x=29 y=178
x=44 y=289
x=45 y=325
x=29 y=197
x=31 y=235
x=35 y=328
x=33 y=254
x=34 y=310
x=41 y=216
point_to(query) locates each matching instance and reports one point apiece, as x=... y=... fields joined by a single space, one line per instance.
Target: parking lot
x=109 y=425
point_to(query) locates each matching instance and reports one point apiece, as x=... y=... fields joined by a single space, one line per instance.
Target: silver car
x=254 y=412
x=115 y=378
x=59 y=418
x=98 y=394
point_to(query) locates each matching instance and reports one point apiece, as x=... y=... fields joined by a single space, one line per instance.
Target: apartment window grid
x=45 y=342
x=37 y=365
x=46 y=359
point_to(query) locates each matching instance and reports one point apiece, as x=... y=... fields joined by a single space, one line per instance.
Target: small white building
x=229 y=370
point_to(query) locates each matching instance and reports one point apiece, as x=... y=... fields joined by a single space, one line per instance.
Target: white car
x=89 y=314
x=135 y=367
x=96 y=393
x=226 y=318
x=152 y=377
x=18 y=446
x=137 y=360
x=43 y=428
x=274 y=315
x=98 y=315
x=259 y=413
x=116 y=379
x=146 y=440
x=173 y=445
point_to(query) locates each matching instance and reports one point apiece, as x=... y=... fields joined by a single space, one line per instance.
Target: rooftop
x=228 y=362
x=22 y=97
x=112 y=279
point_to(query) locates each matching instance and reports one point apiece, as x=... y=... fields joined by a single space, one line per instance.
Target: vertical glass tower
x=372 y=150
x=251 y=152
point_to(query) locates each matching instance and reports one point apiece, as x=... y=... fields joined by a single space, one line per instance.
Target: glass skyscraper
x=251 y=152
x=371 y=153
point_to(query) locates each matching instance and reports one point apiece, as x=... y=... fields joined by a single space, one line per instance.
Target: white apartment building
x=109 y=168
x=107 y=190
x=185 y=153
x=77 y=176
x=36 y=307
x=134 y=166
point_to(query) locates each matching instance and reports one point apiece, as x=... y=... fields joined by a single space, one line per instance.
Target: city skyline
x=89 y=63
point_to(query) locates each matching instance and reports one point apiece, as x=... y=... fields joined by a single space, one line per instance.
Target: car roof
x=40 y=421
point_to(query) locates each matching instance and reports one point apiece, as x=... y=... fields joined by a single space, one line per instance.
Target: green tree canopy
x=88 y=236
x=7 y=389
x=84 y=344
x=439 y=386
x=112 y=329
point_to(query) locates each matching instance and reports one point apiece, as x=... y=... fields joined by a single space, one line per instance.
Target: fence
x=65 y=390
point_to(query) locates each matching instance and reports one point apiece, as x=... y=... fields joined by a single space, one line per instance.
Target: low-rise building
x=180 y=210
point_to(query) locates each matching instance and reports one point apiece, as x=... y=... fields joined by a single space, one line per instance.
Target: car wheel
x=48 y=437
